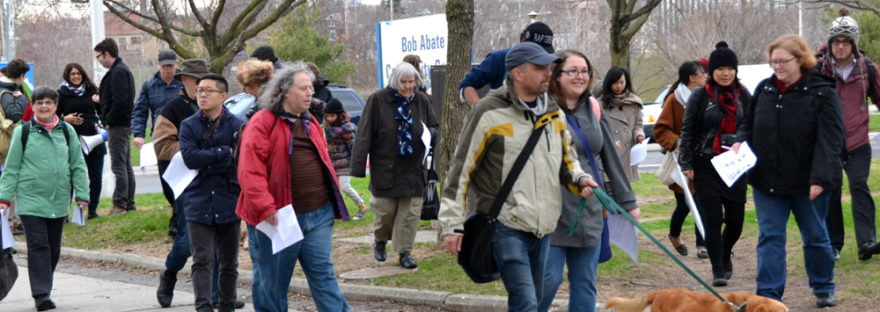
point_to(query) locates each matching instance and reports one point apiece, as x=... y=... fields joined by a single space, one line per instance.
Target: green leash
x=615 y=209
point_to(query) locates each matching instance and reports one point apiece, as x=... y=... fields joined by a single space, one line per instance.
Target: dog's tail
x=629 y=304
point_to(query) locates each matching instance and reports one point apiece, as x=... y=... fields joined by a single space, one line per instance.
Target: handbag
x=667 y=168
x=431 y=199
x=477 y=257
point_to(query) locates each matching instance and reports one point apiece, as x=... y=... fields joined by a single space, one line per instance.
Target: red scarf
x=727 y=98
x=50 y=125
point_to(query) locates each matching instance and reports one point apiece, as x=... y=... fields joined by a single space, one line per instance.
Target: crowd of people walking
x=285 y=149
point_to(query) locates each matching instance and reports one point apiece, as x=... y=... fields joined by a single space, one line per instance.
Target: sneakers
x=868 y=249
x=825 y=300
x=362 y=211
x=117 y=211
x=678 y=245
x=407 y=261
x=379 y=251
x=166 y=288
x=836 y=253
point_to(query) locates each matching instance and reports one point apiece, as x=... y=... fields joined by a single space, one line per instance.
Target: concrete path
x=80 y=293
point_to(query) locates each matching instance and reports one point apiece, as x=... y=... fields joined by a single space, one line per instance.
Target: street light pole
x=97 y=25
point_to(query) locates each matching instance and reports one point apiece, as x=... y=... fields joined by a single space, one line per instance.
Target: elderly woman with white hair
x=279 y=136
x=389 y=132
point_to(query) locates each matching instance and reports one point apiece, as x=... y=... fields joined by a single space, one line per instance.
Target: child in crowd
x=339 y=132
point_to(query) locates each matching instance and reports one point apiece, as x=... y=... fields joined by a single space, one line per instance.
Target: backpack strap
x=597 y=109
x=26 y=130
x=872 y=76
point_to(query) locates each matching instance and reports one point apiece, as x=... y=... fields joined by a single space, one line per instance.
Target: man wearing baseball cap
x=492 y=72
x=495 y=132
x=157 y=91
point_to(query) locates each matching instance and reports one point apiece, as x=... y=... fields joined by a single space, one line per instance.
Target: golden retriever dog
x=684 y=300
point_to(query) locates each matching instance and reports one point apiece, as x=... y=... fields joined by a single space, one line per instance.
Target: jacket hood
x=506 y=94
x=8 y=85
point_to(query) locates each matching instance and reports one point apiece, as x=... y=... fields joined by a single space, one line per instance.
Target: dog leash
x=614 y=208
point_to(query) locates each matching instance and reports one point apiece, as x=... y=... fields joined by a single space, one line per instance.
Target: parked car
x=749 y=75
x=351 y=100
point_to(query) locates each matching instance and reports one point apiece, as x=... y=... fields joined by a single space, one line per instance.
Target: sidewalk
x=75 y=293
x=79 y=293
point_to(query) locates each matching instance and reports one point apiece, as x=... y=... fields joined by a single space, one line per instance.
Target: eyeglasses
x=781 y=62
x=199 y=91
x=840 y=42
x=44 y=102
x=99 y=55
x=574 y=72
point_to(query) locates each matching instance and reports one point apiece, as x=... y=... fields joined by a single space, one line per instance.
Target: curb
x=444 y=300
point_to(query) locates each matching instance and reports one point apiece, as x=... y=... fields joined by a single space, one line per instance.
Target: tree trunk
x=626 y=20
x=460 y=25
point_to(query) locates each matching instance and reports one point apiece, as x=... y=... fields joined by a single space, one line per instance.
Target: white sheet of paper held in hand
x=148 y=156
x=731 y=165
x=638 y=153
x=178 y=176
x=286 y=233
x=78 y=218
x=8 y=241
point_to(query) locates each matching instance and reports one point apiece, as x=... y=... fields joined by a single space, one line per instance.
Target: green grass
x=440 y=271
x=874 y=122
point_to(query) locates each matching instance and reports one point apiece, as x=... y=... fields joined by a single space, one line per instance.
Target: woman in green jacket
x=41 y=185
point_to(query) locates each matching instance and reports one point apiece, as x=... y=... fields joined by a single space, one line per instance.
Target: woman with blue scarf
x=390 y=132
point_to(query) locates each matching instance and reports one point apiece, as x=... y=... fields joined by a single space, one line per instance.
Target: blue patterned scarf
x=404 y=123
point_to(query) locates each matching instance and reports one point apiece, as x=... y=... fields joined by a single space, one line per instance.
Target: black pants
x=204 y=241
x=678 y=216
x=95 y=166
x=857 y=165
x=43 y=237
x=723 y=210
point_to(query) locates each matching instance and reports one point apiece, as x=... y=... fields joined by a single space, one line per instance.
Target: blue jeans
x=773 y=212
x=272 y=273
x=582 y=264
x=521 y=257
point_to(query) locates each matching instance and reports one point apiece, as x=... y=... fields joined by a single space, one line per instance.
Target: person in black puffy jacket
x=795 y=128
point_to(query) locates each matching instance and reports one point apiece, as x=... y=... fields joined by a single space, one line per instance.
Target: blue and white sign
x=424 y=36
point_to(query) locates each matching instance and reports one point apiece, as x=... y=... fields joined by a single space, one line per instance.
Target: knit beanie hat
x=844 y=26
x=334 y=107
x=722 y=56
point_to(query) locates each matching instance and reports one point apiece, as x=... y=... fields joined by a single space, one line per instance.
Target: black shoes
x=702 y=253
x=379 y=251
x=44 y=303
x=868 y=249
x=727 y=266
x=825 y=300
x=238 y=304
x=678 y=245
x=93 y=215
x=166 y=288
x=407 y=261
x=719 y=281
